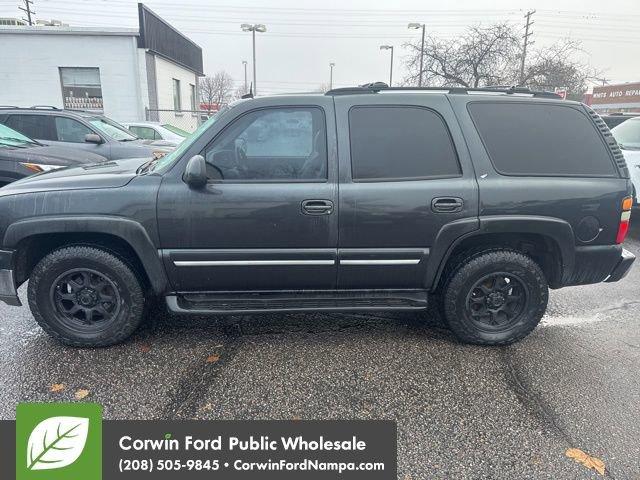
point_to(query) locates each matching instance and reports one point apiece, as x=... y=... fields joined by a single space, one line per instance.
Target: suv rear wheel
x=86 y=297
x=495 y=297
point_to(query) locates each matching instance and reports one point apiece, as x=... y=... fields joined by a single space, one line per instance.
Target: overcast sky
x=304 y=36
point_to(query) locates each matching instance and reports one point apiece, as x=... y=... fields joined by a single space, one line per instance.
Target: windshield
x=168 y=159
x=112 y=129
x=11 y=138
x=627 y=134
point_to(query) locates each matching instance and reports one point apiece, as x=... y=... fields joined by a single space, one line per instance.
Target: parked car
x=614 y=119
x=80 y=130
x=21 y=156
x=388 y=198
x=156 y=131
x=627 y=135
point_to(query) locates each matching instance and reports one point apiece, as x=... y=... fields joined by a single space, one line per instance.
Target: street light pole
x=331 y=65
x=255 y=84
x=416 y=26
x=244 y=63
x=258 y=27
x=389 y=47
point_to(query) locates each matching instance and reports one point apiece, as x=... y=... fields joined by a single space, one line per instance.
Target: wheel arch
x=549 y=240
x=120 y=235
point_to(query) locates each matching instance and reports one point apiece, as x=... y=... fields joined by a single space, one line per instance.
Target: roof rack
x=43 y=107
x=8 y=106
x=379 y=86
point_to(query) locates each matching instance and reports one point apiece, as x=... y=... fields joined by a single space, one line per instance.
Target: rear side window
x=400 y=143
x=39 y=127
x=529 y=139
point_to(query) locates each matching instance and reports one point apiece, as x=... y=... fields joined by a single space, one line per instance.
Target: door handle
x=447 y=204
x=317 y=207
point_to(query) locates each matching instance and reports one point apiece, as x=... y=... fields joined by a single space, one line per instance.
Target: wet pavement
x=462 y=411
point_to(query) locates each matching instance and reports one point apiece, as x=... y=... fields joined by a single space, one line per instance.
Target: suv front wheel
x=86 y=297
x=495 y=297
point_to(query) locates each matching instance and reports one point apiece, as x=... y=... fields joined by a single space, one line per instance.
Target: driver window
x=273 y=144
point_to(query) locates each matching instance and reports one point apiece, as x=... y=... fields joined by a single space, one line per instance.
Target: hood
x=112 y=174
x=154 y=145
x=50 y=155
x=157 y=143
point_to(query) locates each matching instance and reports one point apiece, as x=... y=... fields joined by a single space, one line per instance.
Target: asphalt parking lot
x=462 y=411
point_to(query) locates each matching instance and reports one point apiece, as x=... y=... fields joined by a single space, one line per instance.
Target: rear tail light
x=625 y=217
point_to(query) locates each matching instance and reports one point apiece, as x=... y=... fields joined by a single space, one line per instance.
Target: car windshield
x=11 y=138
x=627 y=134
x=112 y=129
x=168 y=159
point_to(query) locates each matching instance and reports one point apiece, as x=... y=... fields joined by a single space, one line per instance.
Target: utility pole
x=246 y=87
x=331 y=65
x=27 y=9
x=527 y=34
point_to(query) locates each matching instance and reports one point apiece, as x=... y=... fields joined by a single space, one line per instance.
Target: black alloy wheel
x=84 y=297
x=495 y=302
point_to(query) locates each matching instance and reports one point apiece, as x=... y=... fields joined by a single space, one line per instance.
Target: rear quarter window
x=535 y=139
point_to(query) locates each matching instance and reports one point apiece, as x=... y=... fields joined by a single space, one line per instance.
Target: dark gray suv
x=367 y=198
x=89 y=131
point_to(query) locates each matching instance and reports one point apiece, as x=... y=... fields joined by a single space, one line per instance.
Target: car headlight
x=40 y=167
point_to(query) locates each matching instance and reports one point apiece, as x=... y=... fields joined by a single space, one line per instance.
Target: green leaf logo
x=56 y=442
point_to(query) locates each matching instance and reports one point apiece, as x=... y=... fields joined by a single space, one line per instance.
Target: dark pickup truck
x=365 y=198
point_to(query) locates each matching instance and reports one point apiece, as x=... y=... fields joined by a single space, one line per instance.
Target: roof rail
x=8 y=106
x=44 y=107
x=379 y=86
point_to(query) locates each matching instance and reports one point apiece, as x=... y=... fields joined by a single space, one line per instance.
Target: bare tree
x=216 y=90
x=482 y=56
x=239 y=92
x=491 y=56
x=557 y=67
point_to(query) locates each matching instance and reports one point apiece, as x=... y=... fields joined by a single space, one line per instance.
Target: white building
x=127 y=74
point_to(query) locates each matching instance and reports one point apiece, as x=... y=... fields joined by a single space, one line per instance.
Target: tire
x=86 y=297
x=495 y=297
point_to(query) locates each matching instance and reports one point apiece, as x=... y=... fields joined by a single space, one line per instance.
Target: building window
x=192 y=89
x=81 y=88
x=177 y=105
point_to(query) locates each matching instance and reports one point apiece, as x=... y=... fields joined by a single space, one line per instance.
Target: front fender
x=126 y=229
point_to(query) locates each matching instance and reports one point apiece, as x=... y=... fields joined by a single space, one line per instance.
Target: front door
x=267 y=219
x=405 y=173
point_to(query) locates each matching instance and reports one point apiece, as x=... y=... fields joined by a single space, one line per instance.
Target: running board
x=296 y=301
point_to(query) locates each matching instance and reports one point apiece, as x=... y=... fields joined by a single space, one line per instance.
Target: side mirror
x=196 y=173
x=93 y=138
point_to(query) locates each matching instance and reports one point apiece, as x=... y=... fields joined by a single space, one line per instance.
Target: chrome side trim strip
x=217 y=263
x=403 y=261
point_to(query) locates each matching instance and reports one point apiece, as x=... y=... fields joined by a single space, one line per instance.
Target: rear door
x=404 y=173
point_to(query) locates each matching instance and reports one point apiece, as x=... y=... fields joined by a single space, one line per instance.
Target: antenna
x=250 y=94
